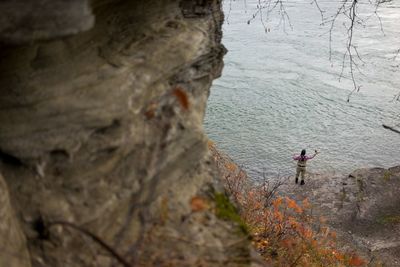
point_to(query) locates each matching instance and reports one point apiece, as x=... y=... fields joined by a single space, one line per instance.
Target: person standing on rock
x=301 y=165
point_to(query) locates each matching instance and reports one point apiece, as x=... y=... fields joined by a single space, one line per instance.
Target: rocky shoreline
x=363 y=208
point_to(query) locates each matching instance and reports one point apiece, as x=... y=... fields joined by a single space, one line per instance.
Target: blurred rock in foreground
x=102 y=104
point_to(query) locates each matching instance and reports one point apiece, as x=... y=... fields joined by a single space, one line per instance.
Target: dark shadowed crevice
x=10 y=159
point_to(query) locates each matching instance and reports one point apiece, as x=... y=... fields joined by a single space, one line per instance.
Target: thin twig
x=391 y=128
x=268 y=6
x=321 y=12
x=95 y=238
x=397 y=53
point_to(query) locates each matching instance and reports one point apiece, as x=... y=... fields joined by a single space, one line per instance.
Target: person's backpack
x=302 y=161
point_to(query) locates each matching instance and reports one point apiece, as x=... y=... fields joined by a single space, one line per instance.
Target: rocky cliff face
x=101 y=111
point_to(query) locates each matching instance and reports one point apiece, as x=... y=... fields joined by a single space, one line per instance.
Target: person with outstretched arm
x=301 y=165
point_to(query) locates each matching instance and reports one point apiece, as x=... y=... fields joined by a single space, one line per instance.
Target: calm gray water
x=279 y=93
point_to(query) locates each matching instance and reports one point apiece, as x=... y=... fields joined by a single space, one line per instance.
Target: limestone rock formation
x=101 y=111
x=13 y=247
x=24 y=21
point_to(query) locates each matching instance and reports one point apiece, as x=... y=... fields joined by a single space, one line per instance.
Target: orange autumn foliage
x=356 y=261
x=231 y=167
x=198 y=204
x=293 y=205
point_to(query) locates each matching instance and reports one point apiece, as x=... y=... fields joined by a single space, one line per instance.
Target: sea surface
x=280 y=92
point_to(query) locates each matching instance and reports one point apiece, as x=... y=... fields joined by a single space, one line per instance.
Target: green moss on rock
x=227 y=211
x=389 y=219
x=386 y=175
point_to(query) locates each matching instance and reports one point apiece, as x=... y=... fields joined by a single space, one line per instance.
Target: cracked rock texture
x=101 y=112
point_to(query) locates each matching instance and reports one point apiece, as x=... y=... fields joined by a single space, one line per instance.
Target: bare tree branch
x=352 y=57
x=321 y=12
x=391 y=128
x=347 y=11
x=266 y=7
x=95 y=238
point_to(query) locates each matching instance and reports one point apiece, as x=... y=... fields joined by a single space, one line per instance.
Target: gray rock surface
x=23 y=21
x=102 y=132
x=13 y=248
x=363 y=208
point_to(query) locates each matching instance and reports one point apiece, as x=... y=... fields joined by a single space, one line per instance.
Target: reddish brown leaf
x=150 y=111
x=182 y=97
x=198 y=204
x=356 y=261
